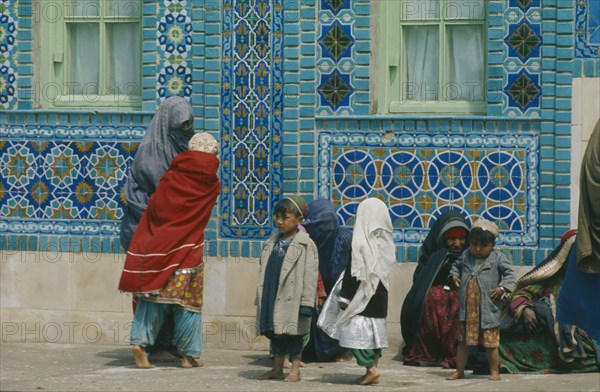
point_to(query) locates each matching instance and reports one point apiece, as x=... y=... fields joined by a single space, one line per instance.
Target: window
x=90 y=53
x=432 y=56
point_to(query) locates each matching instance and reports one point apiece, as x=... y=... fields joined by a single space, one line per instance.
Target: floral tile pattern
x=252 y=122
x=587 y=29
x=174 y=38
x=8 y=39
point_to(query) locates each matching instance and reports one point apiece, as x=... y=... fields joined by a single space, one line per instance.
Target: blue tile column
x=555 y=140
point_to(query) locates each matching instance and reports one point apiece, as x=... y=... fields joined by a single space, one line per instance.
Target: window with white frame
x=90 y=53
x=432 y=56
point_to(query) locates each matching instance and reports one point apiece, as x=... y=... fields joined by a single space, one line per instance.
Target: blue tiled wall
x=287 y=87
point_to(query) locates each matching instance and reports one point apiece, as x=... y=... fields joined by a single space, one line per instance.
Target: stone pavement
x=68 y=367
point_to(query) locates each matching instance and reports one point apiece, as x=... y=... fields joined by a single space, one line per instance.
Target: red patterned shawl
x=170 y=235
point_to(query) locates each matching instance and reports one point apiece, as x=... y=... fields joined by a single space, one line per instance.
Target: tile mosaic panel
x=335 y=6
x=252 y=110
x=8 y=48
x=587 y=29
x=420 y=175
x=65 y=180
x=336 y=57
x=522 y=60
x=174 y=39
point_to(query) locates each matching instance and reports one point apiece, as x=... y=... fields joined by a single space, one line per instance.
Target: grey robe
x=164 y=139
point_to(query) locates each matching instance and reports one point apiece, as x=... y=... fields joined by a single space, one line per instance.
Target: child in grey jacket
x=483 y=275
x=287 y=288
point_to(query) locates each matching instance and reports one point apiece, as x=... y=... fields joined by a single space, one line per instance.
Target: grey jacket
x=297 y=285
x=496 y=271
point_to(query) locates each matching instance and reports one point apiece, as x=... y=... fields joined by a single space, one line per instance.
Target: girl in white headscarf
x=364 y=288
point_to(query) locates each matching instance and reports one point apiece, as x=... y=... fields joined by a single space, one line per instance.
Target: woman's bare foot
x=141 y=358
x=494 y=376
x=272 y=374
x=456 y=375
x=372 y=376
x=293 y=377
x=190 y=362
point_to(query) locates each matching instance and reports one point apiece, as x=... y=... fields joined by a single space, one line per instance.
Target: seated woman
x=531 y=341
x=429 y=317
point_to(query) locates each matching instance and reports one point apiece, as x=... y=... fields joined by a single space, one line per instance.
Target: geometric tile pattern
x=587 y=29
x=524 y=90
x=252 y=116
x=8 y=49
x=65 y=180
x=523 y=60
x=336 y=58
x=421 y=175
x=174 y=29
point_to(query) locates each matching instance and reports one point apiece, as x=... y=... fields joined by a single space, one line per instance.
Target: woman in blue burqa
x=168 y=134
x=334 y=244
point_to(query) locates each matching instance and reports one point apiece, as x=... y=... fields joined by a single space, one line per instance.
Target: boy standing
x=483 y=275
x=287 y=288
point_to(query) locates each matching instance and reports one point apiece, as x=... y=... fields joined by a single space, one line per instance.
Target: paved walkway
x=63 y=367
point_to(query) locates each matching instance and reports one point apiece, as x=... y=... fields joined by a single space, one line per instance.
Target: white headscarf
x=373 y=253
x=204 y=142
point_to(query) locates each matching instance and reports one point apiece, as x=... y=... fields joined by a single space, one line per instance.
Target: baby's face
x=479 y=250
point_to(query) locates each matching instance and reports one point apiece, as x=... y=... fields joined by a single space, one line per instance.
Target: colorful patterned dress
x=523 y=352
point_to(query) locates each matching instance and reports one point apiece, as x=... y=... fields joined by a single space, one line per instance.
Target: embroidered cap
x=486 y=225
x=299 y=203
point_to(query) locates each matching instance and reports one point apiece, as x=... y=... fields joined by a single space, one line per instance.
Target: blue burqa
x=334 y=244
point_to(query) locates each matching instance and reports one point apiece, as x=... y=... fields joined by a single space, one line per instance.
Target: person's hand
x=496 y=293
x=530 y=321
x=320 y=301
x=456 y=281
x=343 y=305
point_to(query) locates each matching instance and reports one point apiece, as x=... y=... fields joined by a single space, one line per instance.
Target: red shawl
x=170 y=235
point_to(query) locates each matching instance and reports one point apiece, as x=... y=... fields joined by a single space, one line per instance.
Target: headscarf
x=588 y=224
x=551 y=264
x=435 y=238
x=373 y=253
x=204 y=142
x=164 y=139
x=333 y=242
